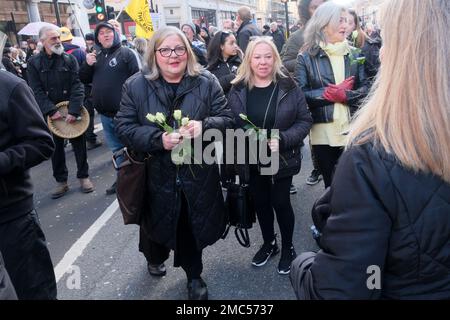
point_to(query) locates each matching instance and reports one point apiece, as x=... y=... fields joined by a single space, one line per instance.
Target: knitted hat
x=89 y=37
x=190 y=25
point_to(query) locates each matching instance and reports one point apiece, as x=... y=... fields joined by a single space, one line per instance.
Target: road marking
x=78 y=247
x=98 y=127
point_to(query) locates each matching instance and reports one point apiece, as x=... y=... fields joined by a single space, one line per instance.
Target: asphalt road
x=105 y=256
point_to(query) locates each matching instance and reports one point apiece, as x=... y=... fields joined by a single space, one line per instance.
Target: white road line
x=98 y=127
x=78 y=247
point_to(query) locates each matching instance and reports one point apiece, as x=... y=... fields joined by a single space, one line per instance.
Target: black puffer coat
x=314 y=73
x=201 y=99
x=381 y=215
x=292 y=119
x=226 y=71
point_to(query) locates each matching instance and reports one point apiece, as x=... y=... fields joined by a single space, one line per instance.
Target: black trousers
x=313 y=157
x=27 y=259
x=186 y=256
x=327 y=158
x=59 y=158
x=269 y=197
x=90 y=135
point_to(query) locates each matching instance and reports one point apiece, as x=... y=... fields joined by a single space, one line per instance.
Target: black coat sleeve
x=294 y=136
x=141 y=138
x=220 y=116
x=45 y=104
x=356 y=235
x=86 y=73
x=77 y=89
x=33 y=142
x=314 y=97
x=291 y=50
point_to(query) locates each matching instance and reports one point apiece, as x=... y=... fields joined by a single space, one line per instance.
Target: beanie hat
x=190 y=25
x=89 y=37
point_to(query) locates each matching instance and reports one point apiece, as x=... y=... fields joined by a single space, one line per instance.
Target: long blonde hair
x=245 y=72
x=408 y=109
x=192 y=68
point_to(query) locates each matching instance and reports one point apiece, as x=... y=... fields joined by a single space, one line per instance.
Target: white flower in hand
x=177 y=115
x=184 y=121
x=160 y=117
x=243 y=116
x=151 y=117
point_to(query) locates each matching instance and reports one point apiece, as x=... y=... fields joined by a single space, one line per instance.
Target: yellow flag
x=138 y=11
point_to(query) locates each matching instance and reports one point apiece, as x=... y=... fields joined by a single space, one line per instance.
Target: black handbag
x=241 y=212
x=131 y=185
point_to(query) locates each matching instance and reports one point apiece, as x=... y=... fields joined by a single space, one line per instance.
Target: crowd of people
x=377 y=117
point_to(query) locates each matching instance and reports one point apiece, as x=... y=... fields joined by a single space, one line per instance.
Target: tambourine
x=66 y=130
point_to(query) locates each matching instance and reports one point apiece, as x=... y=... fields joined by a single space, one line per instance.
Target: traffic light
x=100 y=13
x=110 y=13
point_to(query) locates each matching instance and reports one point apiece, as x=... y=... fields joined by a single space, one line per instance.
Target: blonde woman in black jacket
x=387 y=236
x=271 y=100
x=185 y=200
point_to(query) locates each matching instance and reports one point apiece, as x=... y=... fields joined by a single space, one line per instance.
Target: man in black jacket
x=277 y=35
x=53 y=76
x=24 y=143
x=107 y=70
x=246 y=28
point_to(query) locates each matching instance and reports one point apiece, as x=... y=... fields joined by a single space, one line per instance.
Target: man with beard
x=53 y=76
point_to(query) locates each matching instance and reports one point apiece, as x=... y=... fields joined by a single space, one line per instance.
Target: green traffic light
x=99 y=9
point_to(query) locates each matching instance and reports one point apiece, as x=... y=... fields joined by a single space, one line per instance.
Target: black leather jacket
x=314 y=73
x=55 y=79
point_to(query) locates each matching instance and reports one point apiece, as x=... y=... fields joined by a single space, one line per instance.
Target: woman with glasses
x=387 y=236
x=334 y=83
x=224 y=58
x=265 y=94
x=186 y=206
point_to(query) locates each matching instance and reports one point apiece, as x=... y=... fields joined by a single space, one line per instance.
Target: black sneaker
x=287 y=256
x=266 y=251
x=314 y=178
x=157 y=270
x=293 y=189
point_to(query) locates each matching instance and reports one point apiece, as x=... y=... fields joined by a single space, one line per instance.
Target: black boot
x=197 y=289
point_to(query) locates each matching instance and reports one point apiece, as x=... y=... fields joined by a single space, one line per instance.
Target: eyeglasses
x=167 y=52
